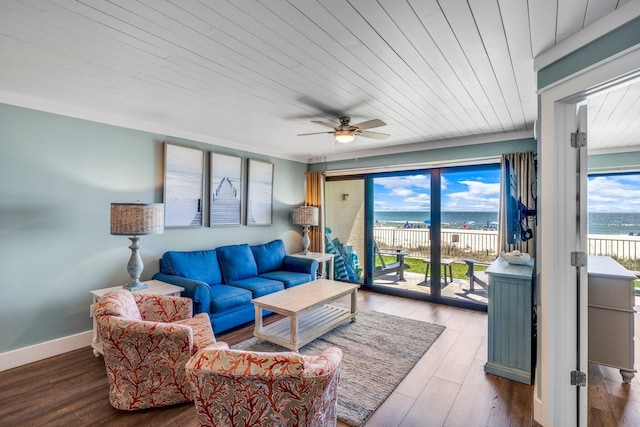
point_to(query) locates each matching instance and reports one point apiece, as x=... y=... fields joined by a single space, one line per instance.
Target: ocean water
x=449 y=219
x=599 y=223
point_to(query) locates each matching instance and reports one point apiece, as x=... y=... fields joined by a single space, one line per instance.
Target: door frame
x=555 y=400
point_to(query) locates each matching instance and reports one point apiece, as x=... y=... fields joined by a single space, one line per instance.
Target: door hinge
x=578 y=259
x=578 y=378
x=579 y=139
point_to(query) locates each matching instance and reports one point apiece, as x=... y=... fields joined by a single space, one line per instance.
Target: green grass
x=417 y=265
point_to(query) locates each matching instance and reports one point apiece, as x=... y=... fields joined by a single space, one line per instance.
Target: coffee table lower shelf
x=307 y=326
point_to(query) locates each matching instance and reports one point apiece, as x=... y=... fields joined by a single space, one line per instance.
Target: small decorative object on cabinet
x=611 y=327
x=510 y=344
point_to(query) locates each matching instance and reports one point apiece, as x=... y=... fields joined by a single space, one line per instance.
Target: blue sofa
x=222 y=281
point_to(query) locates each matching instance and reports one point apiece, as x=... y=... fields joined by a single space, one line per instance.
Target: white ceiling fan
x=346 y=132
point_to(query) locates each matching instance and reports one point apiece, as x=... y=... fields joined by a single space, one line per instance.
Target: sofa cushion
x=269 y=256
x=258 y=286
x=225 y=297
x=196 y=265
x=236 y=262
x=289 y=278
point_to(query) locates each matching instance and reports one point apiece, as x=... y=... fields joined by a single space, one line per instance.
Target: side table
x=321 y=257
x=155 y=287
x=445 y=263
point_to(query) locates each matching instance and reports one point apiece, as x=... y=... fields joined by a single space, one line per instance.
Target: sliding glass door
x=426 y=234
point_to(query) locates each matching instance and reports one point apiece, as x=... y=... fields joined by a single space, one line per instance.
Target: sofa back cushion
x=197 y=265
x=269 y=256
x=236 y=262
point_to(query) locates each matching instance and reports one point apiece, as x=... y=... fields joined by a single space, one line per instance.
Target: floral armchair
x=234 y=387
x=147 y=340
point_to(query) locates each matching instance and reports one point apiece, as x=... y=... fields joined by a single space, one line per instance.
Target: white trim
x=589 y=68
x=413 y=166
x=554 y=397
x=26 y=355
x=424 y=146
x=606 y=24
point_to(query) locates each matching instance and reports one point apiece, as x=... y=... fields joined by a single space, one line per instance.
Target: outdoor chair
x=476 y=276
x=396 y=266
x=235 y=387
x=147 y=341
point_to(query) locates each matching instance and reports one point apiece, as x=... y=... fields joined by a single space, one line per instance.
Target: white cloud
x=614 y=193
x=479 y=196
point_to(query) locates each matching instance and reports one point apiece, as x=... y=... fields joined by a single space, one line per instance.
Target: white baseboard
x=26 y=355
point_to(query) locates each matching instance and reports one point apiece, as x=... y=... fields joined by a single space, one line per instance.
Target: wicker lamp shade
x=137 y=219
x=305 y=215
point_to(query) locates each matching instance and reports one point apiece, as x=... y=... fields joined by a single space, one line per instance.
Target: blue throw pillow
x=197 y=265
x=269 y=256
x=236 y=262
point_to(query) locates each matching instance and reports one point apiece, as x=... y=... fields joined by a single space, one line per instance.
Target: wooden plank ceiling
x=253 y=74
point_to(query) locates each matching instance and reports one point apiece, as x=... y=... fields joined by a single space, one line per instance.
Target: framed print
x=225 y=200
x=259 y=193
x=183 y=186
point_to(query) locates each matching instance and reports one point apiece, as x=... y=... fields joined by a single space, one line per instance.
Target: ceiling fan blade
x=324 y=124
x=374 y=123
x=313 y=133
x=374 y=135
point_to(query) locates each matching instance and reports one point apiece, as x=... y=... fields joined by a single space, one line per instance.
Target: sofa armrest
x=300 y=265
x=199 y=292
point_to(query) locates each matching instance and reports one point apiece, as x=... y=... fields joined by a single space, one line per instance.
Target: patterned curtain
x=315 y=197
x=523 y=165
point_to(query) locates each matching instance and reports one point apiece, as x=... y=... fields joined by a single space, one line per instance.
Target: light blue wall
x=614 y=42
x=614 y=162
x=435 y=155
x=58 y=176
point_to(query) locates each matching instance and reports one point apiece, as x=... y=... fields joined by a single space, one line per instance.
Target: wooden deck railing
x=483 y=245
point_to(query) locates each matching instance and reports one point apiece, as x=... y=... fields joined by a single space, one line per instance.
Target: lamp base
x=135 y=286
x=306 y=241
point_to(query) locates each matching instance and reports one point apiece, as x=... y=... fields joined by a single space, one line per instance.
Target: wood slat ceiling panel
x=516 y=26
x=432 y=69
x=464 y=25
x=313 y=38
x=424 y=57
x=389 y=72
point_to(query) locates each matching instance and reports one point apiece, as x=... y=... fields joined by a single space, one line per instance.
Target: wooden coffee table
x=308 y=314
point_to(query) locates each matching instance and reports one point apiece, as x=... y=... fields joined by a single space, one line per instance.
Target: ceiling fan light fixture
x=344 y=136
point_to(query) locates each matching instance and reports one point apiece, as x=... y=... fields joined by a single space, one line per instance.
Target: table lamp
x=305 y=216
x=133 y=220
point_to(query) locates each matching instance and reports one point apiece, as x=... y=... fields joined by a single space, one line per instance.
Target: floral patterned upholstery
x=244 y=388
x=146 y=342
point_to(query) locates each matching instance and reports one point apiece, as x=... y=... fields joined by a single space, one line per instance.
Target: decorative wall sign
x=183 y=186
x=260 y=193
x=226 y=185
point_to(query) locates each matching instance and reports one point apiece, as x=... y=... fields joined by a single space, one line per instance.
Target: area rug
x=378 y=349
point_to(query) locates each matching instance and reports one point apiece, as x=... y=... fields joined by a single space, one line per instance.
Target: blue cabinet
x=510 y=318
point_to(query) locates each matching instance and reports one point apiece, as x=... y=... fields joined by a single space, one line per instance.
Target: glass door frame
x=435 y=294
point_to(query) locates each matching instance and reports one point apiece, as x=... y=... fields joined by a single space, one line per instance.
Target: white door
x=581 y=139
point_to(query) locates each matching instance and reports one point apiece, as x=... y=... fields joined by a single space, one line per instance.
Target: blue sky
x=476 y=191
x=614 y=193
x=480 y=192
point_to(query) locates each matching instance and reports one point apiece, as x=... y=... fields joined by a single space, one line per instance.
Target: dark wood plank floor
x=448 y=386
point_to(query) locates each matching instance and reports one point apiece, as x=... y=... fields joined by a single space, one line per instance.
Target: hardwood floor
x=447 y=387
